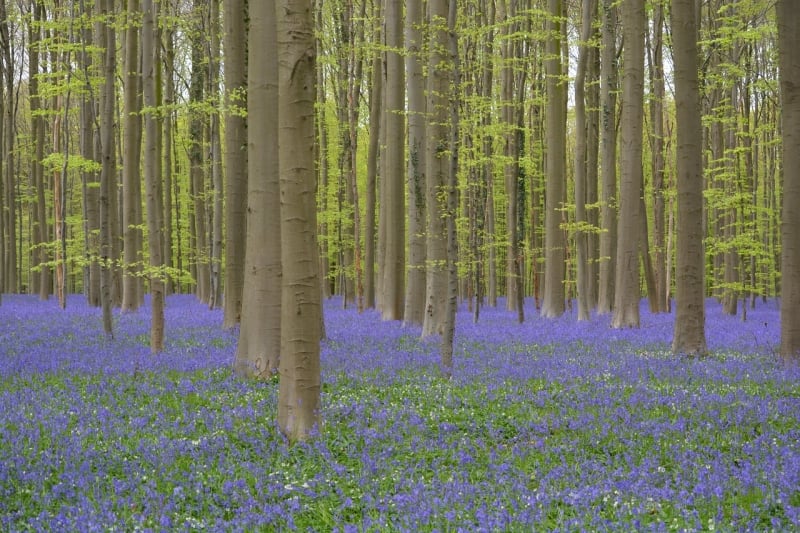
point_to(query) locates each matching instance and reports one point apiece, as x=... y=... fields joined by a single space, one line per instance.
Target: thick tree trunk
x=436 y=170
x=553 y=304
x=299 y=390
x=627 y=296
x=259 y=347
x=789 y=43
x=689 y=334
x=235 y=158
x=394 y=264
x=415 y=82
x=131 y=175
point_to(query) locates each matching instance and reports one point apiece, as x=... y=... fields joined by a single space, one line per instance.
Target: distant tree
x=689 y=334
x=788 y=45
x=301 y=309
x=627 y=290
x=259 y=347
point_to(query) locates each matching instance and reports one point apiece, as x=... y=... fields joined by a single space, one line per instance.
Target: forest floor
x=548 y=425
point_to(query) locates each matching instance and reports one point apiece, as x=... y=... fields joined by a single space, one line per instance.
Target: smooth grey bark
x=152 y=175
x=415 y=87
x=131 y=158
x=608 y=160
x=789 y=44
x=553 y=304
x=394 y=264
x=301 y=308
x=259 y=347
x=689 y=333
x=436 y=168
x=581 y=161
x=627 y=294
x=235 y=158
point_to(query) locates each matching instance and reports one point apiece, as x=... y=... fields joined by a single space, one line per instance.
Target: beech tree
x=553 y=304
x=789 y=43
x=301 y=308
x=234 y=41
x=259 y=347
x=627 y=291
x=689 y=335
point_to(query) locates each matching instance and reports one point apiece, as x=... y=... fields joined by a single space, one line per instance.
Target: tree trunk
x=394 y=264
x=608 y=160
x=375 y=113
x=106 y=40
x=152 y=176
x=436 y=169
x=789 y=43
x=448 y=333
x=555 y=245
x=197 y=173
x=661 y=297
x=299 y=390
x=215 y=142
x=235 y=158
x=169 y=181
x=259 y=347
x=131 y=176
x=627 y=296
x=581 y=170
x=689 y=334
x=40 y=227
x=415 y=82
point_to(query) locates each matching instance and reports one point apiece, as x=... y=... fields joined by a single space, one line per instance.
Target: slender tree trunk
x=299 y=390
x=215 y=145
x=555 y=192
x=415 y=82
x=581 y=160
x=197 y=173
x=689 y=334
x=40 y=227
x=449 y=329
x=11 y=279
x=259 y=347
x=661 y=296
x=608 y=159
x=106 y=40
x=168 y=125
x=375 y=112
x=789 y=43
x=627 y=295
